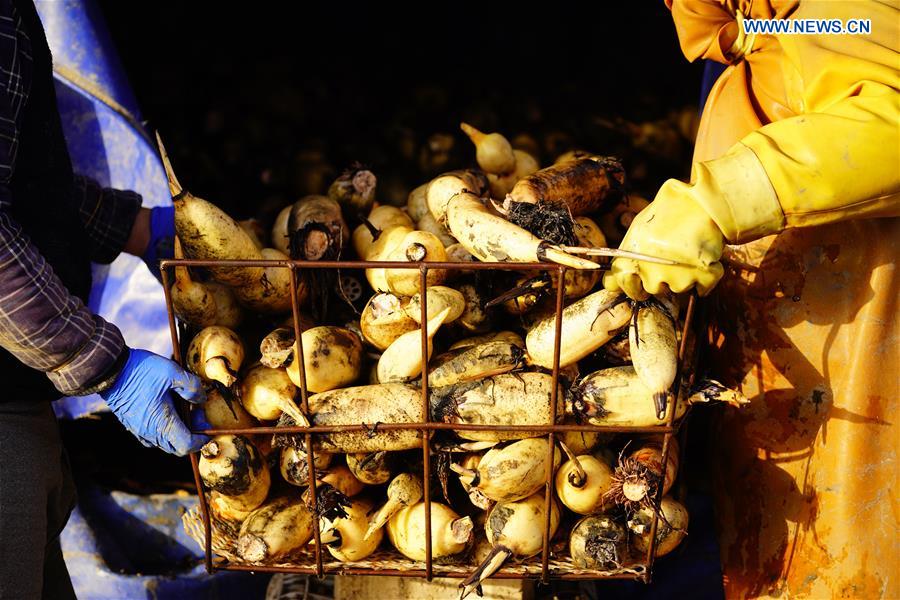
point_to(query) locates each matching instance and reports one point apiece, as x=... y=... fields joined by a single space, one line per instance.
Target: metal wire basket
x=545 y=567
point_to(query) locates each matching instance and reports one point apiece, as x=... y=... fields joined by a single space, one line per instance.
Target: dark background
x=244 y=96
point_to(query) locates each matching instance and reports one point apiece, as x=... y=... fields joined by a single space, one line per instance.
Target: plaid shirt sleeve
x=107 y=216
x=41 y=323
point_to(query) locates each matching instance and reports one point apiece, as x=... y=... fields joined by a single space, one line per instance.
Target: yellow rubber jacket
x=803 y=132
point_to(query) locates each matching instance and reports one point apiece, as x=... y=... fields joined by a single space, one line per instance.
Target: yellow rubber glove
x=676 y=227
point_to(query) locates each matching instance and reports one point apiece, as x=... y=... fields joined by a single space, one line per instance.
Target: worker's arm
x=839 y=160
x=107 y=216
x=41 y=323
x=115 y=222
x=45 y=326
x=49 y=329
x=838 y=164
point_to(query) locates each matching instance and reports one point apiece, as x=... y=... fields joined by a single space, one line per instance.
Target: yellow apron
x=805 y=323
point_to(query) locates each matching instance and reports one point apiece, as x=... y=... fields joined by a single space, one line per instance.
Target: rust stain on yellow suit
x=806 y=325
x=807 y=473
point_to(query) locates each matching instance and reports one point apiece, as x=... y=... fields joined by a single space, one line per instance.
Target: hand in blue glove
x=142 y=399
x=162 y=238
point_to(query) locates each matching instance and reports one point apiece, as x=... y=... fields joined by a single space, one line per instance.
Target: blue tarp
x=120 y=546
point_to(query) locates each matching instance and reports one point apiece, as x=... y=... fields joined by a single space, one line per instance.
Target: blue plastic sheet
x=120 y=545
x=101 y=123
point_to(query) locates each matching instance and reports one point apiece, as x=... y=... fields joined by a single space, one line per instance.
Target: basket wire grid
x=641 y=571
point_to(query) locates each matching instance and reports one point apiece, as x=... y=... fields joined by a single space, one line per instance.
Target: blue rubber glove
x=142 y=399
x=162 y=238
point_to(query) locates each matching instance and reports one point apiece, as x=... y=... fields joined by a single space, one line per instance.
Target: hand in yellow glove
x=675 y=227
x=731 y=199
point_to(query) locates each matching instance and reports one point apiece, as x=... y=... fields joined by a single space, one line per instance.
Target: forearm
x=113 y=220
x=834 y=165
x=808 y=170
x=139 y=238
x=47 y=328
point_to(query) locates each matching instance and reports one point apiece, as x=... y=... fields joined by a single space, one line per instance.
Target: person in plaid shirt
x=52 y=225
